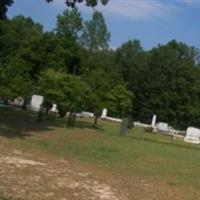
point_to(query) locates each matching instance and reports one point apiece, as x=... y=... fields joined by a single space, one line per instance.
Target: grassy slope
x=138 y=153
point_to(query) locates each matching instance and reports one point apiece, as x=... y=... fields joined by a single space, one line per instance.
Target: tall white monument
x=153 y=123
x=36 y=102
x=104 y=113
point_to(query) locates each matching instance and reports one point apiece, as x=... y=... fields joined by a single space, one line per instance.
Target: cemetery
x=124 y=154
x=191 y=135
x=88 y=110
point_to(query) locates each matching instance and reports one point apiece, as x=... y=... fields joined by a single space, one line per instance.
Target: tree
x=68 y=31
x=20 y=60
x=63 y=89
x=91 y=3
x=4 y=4
x=69 y=24
x=16 y=80
x=95 y=35
x=119 y=101
x=132 y=61
x=131 y=58
x=169 y=87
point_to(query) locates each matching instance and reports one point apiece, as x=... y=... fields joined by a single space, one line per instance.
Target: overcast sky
x=150 y=21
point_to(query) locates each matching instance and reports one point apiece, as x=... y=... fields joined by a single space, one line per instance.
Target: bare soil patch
x=40 y=176
x=34 y=177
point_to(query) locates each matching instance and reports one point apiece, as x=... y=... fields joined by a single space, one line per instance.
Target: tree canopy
x=4 y=4
x=91 y=3
x=95 y=34
x=74 y=67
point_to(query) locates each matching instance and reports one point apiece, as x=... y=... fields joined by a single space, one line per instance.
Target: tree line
x=74 y=67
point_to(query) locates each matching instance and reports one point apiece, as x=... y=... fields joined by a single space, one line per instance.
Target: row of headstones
x=192 y=134
x=35 y=103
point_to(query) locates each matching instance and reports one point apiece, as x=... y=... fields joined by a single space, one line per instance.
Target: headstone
x=36 y=102
x=153 y=123
x=192 y=135
x=19 y=101
x=162 y=126
x=104 y=113
x=54 y=108
x=124 y=126
x=86 y=114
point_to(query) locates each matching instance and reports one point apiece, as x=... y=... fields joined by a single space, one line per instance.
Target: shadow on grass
x=15 y=122
x=80 y=123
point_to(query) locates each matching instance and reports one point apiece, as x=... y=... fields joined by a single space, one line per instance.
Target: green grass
x=4 y=198
x=139 y=153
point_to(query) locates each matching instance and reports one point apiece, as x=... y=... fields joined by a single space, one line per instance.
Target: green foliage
x=4 y=198
x=69 y=24
x=119 y=101
x=90 y=3
x=72 y=66
x=19 y=59
x=68 y=31
x=95 y=35
x=62 y=109
x=4 y=4
x=68 y=91
x=164 y=80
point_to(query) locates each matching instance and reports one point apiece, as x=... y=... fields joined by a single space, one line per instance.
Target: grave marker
x=124 y=126
x=36 y=102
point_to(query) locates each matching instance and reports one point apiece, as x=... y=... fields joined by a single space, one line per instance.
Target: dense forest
x=74 y=67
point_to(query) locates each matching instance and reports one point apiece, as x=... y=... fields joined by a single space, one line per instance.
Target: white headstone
x=36 y=102
x=192 y=135
x=162 y=126
x=54 y=108
x=104 y=113
x=153 y=123
x=86 y=114
x=19 y=101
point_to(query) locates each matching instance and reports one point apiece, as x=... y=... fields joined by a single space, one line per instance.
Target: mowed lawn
x=138 y=155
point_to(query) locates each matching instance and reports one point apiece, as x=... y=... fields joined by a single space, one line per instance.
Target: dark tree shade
x=91 y=3
x=4 y=7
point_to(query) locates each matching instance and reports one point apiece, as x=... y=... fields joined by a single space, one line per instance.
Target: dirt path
x=22 y=176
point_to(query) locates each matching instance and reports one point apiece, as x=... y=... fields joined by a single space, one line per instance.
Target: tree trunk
x=95 y=121
x=71 y=119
